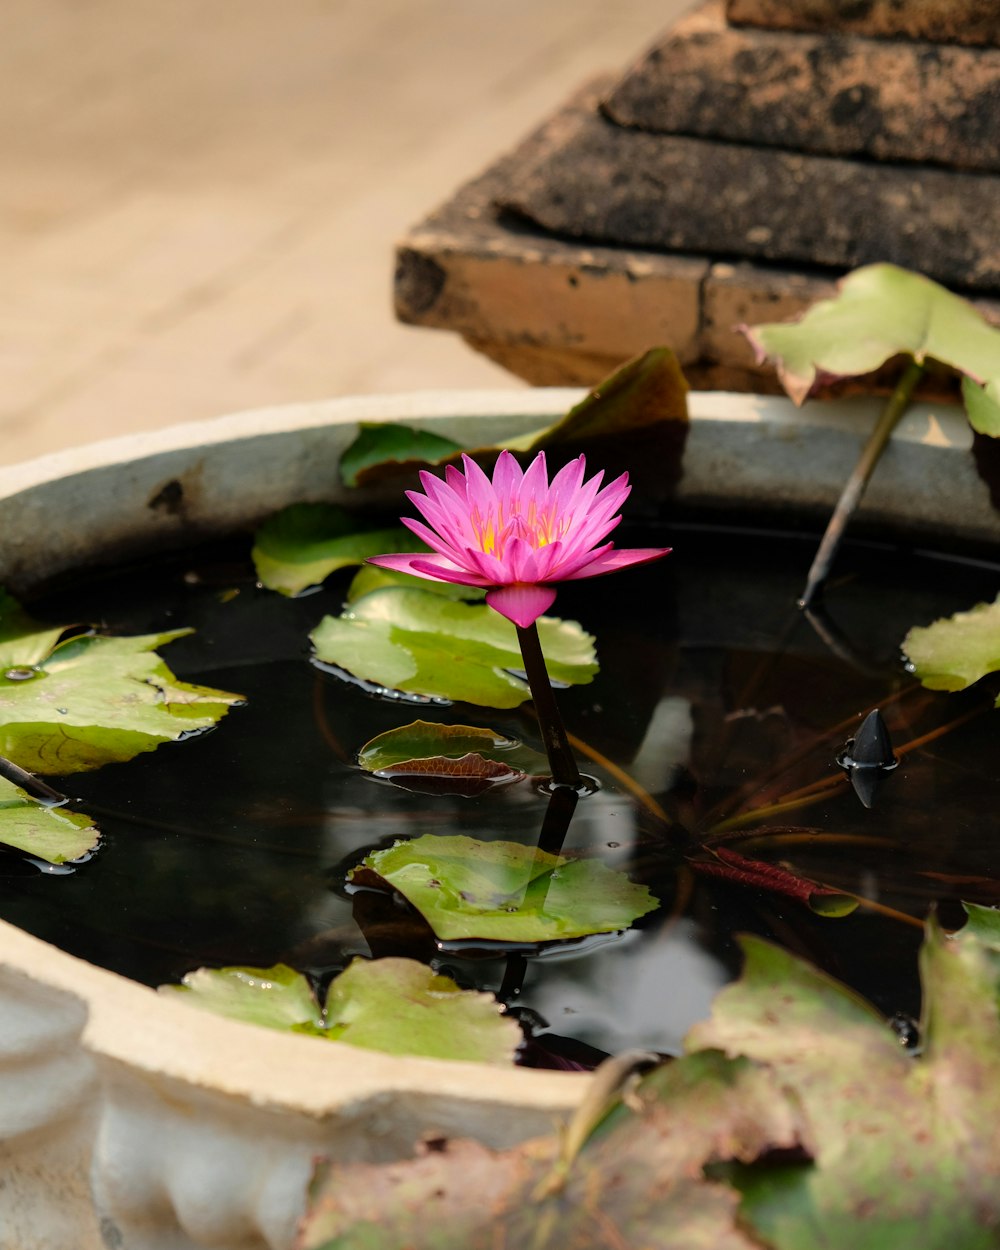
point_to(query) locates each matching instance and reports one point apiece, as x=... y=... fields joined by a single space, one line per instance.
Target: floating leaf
x=275 y=998
x=54 y=834
x=795 y=1121
x=94 y=701
x=394 y=1005
x=505 y=892
x=720 y=861
x=303 y=544
x=983 y=925
x=879 y=312
x=370 y=578
x=421 y=643
x=381 y=444
x=23 y=640
x=463 y=758
x=646 y=396
x=958 y=650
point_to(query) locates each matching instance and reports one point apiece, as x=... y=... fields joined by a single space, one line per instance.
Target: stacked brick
x=758 y=151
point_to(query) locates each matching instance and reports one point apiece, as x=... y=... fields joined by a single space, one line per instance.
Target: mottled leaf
x=465 y=759
x=958 y=650
x=646 y=391
x=95 y=700
x=903 y=1149
x=880 y=312
x=394 y=1005
x=303 y=544
x=47 y=832
x=421 y=643
x=506 y=892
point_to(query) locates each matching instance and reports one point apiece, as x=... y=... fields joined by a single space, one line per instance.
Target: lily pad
x=956 y=651
x=422 y=643
x=54 y=834
x=879 y=312
x=93 y=700
x=23 y=640
x=303 y=544
x=646 y=394
x=370 y=577
x=795 y=1121
x=394 y=1005
x=384 y=444
x=461 y=756
x=505 y=892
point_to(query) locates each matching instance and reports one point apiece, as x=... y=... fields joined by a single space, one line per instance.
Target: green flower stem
x=561 y=759
x=854 y=489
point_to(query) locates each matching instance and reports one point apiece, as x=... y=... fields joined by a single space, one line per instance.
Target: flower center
x=537 y=527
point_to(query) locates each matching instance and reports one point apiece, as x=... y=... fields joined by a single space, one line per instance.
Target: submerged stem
x=561 y=759
x=854 y=488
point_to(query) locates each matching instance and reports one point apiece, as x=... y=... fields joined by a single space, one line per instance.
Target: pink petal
x=520 y=603
x=610 y=561
x=432 y=568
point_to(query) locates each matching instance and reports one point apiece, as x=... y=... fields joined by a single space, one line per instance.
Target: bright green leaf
x=23 y=641
x=394 y=1005
x=879 y=312
x=370 y=577
x=95 y=701
x=54 y=834
x=421 y=643
x=506 y=892
x=276 y=998
x=303 y=544
x=958 y=650
x=402 y=1007
x=381 y=444
x=983 y=925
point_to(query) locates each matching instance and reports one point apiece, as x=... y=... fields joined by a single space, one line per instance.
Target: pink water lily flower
x=517 y=534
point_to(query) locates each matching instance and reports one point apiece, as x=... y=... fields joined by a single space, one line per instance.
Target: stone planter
x=127 y=1120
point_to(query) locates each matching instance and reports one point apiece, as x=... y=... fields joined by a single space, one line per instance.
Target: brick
x=891 y=100
x=517 y=294
x=942 y=21
x=615 y=186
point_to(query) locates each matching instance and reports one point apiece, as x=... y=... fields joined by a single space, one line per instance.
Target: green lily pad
x=505 y=892
x=879 y=312
x=956 y=651
x=795 y=1121
x=394 y=1005
x=370 y=577
x=23 y=640
x=646 y=395
x=92 y=701
x=450 y=752
x=54 y=834
x=401 y=447
x=303 y=544
x=422 y=643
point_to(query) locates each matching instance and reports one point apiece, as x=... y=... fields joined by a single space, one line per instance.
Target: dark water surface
x=715 y=694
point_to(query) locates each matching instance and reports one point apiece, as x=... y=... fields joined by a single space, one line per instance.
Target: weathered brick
x=942 y=21
x=894 y=100
x=611 y=185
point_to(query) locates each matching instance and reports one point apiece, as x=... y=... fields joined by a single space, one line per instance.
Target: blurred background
x=199 y=201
